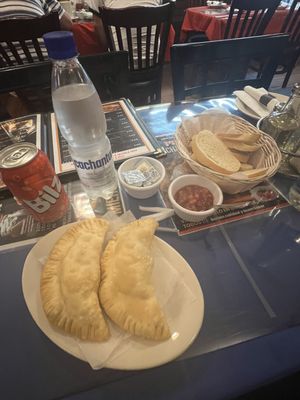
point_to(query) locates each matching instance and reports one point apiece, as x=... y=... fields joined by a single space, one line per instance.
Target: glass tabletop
x=248 y=271
x=246 y=268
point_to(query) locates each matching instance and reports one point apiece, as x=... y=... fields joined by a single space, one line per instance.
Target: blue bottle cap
x=60 y=45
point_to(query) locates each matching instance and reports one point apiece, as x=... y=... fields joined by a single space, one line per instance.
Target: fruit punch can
x=30 y=177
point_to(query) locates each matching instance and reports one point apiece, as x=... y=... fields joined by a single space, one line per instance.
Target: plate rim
x=244 y=108
x=115 y=363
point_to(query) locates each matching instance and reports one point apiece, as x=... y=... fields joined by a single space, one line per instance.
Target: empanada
x=126 y=292
x=70 y=281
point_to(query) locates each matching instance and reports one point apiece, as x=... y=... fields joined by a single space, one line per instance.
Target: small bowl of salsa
x=193 y=197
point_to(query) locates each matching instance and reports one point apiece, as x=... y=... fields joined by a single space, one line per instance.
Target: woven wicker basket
x=268 y=156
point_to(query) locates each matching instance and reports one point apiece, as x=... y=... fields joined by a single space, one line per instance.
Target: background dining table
x=213 y=22
x=249 y=273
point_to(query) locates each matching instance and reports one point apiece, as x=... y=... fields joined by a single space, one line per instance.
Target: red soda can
x=29 y=175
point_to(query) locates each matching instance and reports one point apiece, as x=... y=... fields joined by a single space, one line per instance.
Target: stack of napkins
x=260 y=101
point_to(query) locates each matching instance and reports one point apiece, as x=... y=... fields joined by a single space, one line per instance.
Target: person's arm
x=100 y=30
x=94 y=8
x=65 y=22
x=64 y=18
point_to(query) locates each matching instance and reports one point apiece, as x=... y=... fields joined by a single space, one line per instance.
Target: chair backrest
x=195 y=3
x=143 y=31
x=179 y=13
x=108 y=72
x=20 y=39
x=249 y=17
x=291 y=24
x=231 y=58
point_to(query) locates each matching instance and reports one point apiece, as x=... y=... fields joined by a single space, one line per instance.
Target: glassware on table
x=294 y=195
x=80 y=117
x=283 y=124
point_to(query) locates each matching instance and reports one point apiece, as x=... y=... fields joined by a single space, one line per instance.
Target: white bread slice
x=242 y=157
x=246 y=167
x=245 y=137
x=231 y=144
x=254 y=173
x=211 y=152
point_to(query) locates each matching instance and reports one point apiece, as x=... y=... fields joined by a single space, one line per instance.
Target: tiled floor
x=167 y=88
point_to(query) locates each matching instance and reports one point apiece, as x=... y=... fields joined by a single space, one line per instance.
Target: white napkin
x=258 y=100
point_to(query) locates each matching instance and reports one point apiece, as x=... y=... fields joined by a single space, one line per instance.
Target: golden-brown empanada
x=126 y=292
x=70 y=281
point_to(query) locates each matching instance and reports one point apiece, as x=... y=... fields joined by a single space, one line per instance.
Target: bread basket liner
x=268 y=156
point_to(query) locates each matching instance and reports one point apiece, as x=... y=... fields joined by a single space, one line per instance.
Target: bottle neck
x=66 y=63
x=293 y=106
x=68 y=71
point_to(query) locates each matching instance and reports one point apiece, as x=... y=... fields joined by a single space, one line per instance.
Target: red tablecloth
x=88 y=42
x=86 y=38
x=201 y=19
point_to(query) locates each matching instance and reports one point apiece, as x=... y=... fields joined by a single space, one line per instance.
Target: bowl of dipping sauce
x=141 y=176
x=193 y=197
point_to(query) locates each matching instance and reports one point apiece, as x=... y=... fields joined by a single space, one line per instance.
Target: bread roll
x=211 y=152
x=242 y=157
x=231 y=144
x=246 y=167
x=245 y=137
x=254 y=173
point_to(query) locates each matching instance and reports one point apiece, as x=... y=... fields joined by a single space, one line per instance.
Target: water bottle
x=80 y=117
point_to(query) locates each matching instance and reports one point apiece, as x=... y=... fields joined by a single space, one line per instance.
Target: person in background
x=95 y=4
x=16 y=9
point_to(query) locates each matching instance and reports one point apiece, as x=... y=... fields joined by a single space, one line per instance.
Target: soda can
x=29 y=175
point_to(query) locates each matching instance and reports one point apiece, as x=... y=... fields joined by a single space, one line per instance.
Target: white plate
x=246 y=110
x=187 y=324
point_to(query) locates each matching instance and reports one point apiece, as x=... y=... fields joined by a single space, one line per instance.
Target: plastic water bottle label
x=95 y=172
x=92 y=165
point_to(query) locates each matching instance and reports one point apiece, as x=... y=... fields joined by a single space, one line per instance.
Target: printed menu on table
x=17 y=228
x=126 y=131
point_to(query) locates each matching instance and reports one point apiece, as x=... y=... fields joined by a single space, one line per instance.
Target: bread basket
x=268 y=156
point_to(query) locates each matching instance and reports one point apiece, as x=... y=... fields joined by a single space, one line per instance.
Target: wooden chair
x=251 y=19
x=21 y=39
x=234 y=56
x=146 y=51
x=108 y=72
x=291 y=25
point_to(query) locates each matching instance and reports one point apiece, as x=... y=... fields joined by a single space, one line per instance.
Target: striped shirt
x=18 y=9
x=10 y=9
x=95 y=4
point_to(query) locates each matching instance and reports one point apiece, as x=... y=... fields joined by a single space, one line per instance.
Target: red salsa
x=194 y=198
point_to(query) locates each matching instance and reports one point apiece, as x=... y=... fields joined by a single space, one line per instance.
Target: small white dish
x=247 y=111
x=141 y=192
x=184 y=180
